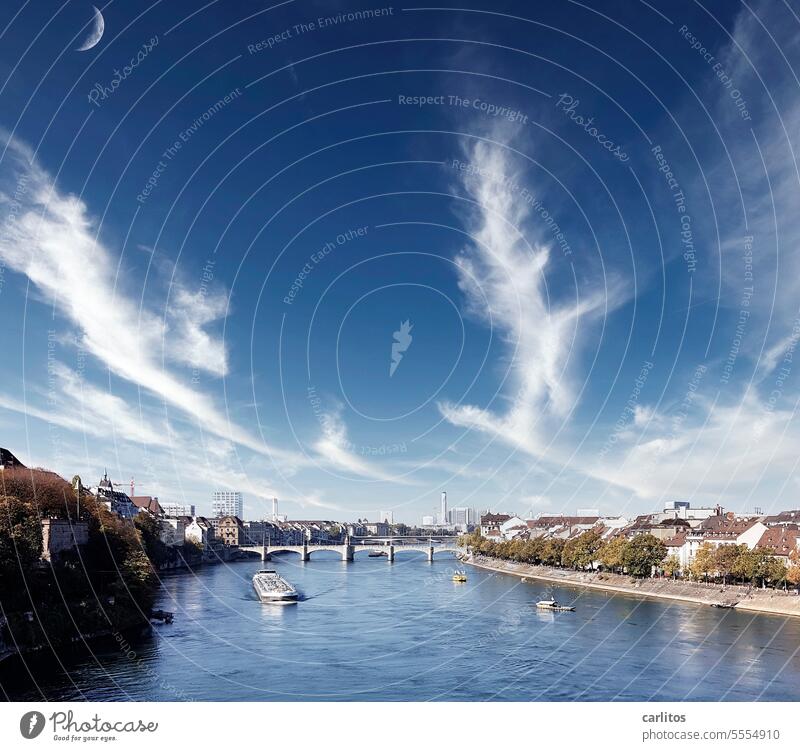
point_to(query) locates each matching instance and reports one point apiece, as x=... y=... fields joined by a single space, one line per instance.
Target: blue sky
x=206 y=254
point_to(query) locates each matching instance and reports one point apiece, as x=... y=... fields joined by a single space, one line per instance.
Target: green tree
x=642 y=553
x=20 y=545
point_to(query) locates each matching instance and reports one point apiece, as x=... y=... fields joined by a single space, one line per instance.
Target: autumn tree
x=704 y=562
x=671 y=566
x=552 y=551
x=611 y=554
x=725 y=559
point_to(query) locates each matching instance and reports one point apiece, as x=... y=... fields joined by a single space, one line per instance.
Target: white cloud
x=50 y=238
x=335 y=450
x=503 y=277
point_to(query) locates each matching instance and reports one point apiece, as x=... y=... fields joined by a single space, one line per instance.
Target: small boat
x=460 y=576
x=377 y=554
x=553 y=605
x=270 y=586
x=162 y=615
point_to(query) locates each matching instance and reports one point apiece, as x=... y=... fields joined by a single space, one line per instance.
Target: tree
x=611 y=554
x=569 y=554
x=746 y=564
x=725 y=559
x=581 y=551
x=793 y=572
x=20 y=544
x=643 y=553
x=552 y=551
x=776 y=572
x=672 y=566
x=587 y=547
x=704 y=562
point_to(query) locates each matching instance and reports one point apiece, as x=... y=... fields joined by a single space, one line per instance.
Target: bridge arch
x=330 y=548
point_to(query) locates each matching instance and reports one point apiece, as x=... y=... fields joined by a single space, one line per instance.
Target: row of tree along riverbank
x=645 y=556
x=772 y=601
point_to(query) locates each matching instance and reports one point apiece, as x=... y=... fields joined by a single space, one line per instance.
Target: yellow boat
x=459 y=576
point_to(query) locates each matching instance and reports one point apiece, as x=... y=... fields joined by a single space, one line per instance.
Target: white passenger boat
x=552 y=604
x=272 y=587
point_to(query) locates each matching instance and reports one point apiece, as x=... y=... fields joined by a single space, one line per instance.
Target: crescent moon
x=98 y=27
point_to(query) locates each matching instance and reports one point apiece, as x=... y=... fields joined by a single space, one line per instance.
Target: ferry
x=553 y=605
x=460 y=576
x=272 y=587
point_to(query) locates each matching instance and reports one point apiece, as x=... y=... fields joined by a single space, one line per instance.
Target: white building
x=512 y=527
x=178 y=509
x=684 y=510
x=443 y=509
x=200 y=531
x=227 y=503
x=428 y=521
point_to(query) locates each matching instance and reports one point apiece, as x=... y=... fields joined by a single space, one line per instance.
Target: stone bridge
x=348 y=551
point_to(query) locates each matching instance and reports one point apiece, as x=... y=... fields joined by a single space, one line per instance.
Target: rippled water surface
x=370 y=630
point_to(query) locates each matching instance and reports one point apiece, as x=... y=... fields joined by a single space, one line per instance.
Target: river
x=370 y=630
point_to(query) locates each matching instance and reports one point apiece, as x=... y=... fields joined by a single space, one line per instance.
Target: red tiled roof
x=783 y=540
x=724 y=528
x=147 y=503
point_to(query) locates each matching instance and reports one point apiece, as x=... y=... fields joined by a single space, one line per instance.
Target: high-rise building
x=461 y=517
x=427 y=521
x=178 y=509
x=386 y=516
x=227 y=503
x=443 y=510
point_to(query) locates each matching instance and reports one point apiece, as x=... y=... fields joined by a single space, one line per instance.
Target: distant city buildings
x=461 y=517
x=227 y=503
x=428 y=521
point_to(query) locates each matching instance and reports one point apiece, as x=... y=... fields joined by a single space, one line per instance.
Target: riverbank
x=741 y=598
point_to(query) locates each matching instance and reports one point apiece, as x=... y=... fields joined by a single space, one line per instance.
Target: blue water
x=370 y=630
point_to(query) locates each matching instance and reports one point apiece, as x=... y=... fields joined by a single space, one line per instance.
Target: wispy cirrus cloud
x=337 y=451
x=51 y=238
x=503 y=277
